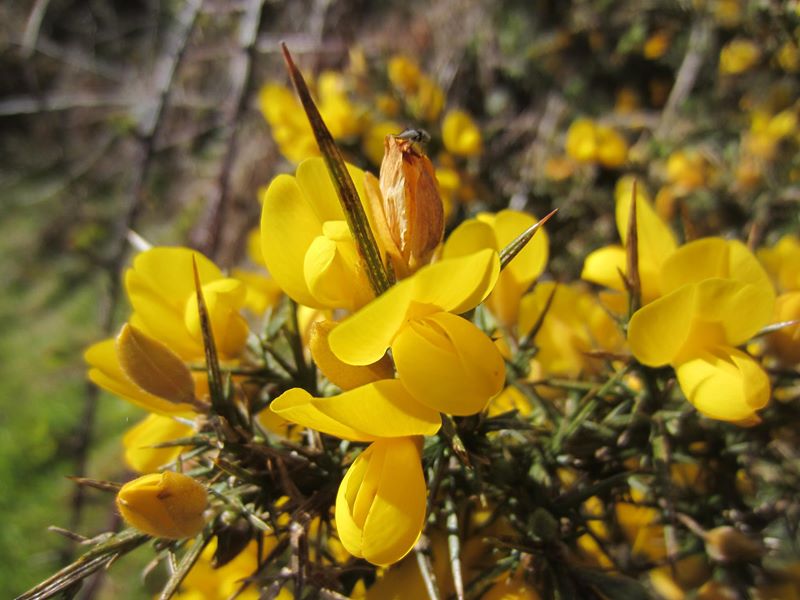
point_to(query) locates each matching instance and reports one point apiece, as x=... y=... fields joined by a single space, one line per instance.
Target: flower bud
x=411 y=205
x=153 y=366
x=164 y=505
x=727 y=544
x=380 y=507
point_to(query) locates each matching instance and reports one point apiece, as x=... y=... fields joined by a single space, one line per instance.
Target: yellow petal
x=604 y=267
x=380 y=507
x=532 y=259
x=696 y=317
x=658 y=331
x=340 y=373
x=456 y=285
x=153 y=430
x=223 y=298
x=469 y=237
x=741 y=309
x=296 y=405
x=448 y=364
x=331 y=269
x=655 y=238
x=107 y=374
x=786 y=341
x=496 y=232
x=167 y=273
x=153 y=366
x=724 y=384
x=460 y=134
x=289 y=225
x=381 y=409
x=713 y=257
x=164 y=505
x=158 y=284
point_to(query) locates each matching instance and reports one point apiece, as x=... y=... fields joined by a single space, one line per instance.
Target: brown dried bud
x=727 y=544
x=411 y=205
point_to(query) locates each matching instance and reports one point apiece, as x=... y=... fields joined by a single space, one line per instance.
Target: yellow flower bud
x=380 y=507
x=460 y=134
x=410 y=205
x=153 y=366
x=738 y=56
x=164 y=505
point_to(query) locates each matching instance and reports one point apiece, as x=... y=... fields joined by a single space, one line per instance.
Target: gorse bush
x=397 y=401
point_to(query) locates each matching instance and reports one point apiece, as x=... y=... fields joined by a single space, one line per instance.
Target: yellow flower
x=738 y=56
x=687 y=170
x=640 y=525
x=374 y=139
x=288 y=122
x=380 y=507
x=575 y=324
x=515 y=588
x=656 y=243
x=423 y=97
x=443 y=360
x=205 y=582
x=590 y=142
x=717 y=296
x=140 y=455
x=306 y=243
x=460 y=134
x=673 y=581
x=105 y=372
x=164 y=505
x=657 y=44
x=495 y=231
x=161 y=289
x=785 y=343
x=782 y=262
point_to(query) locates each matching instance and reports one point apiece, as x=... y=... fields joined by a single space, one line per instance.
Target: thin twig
x=699 y=39
x=242 y=70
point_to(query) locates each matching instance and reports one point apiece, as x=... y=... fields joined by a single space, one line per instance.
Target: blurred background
x=147 y=115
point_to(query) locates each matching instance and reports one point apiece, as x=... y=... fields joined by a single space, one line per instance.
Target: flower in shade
x=139 y=441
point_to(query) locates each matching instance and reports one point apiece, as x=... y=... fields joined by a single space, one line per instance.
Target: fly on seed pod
x=405 y=202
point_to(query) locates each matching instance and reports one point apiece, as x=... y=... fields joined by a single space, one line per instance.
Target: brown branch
x=210 y=233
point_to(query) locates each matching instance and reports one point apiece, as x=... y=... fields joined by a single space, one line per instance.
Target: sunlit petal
x=448 y=364
x=380 y=507
x=725 y=384
x=381 y=409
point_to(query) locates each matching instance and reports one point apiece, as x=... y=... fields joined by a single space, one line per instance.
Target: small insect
x=417 y=136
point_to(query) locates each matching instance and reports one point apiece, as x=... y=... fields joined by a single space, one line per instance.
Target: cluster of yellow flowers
x=309 y=396
x=360 y=118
